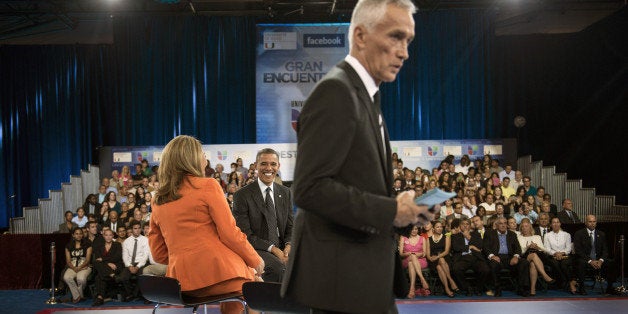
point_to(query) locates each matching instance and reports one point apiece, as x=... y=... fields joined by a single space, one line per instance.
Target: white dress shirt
x=142 y=253
x=557 y=242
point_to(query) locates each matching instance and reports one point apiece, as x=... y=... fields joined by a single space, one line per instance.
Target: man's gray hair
x=371 y=12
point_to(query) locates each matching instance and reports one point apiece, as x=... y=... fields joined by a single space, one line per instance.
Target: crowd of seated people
x=112 y=218
x=497 y=223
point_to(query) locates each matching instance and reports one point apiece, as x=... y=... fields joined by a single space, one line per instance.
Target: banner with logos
x=424 y=154
x=291 y=59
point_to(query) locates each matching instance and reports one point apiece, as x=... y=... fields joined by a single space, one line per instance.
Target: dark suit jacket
x=491 y=243
x=458 y=245
x=564 y=217
x=96 y=210
x=249 y=210
x=582 y=244
x=114 y=256
x=343 y=246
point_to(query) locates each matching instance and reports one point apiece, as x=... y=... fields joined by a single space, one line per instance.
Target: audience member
x=489 y=204
x=138 y=176
x=466 y=249
x=507 y=173
x=467 y=208
x=412 y=250
x=125 y=177
x=114 y=205
x=507 y=189
x=512 y=225
x=464 y=165
x=104 y=213
x=591 y=251
x=107 y=263
x=121 y=234
x=525 y=211
x=543 y=226
x=68 y=224
x=102 y=193
x=518 y=181
x=553 y=210
x=91 y=205
x=502 y=249
x=113 y=222
x=77 y=256
x=437 y=251
x=457 y=212
x=527 y=185
x=80 y=219
x=135 y=252
x=532 y=249
x=94 y=237
x=567 y=215
x=558 y=245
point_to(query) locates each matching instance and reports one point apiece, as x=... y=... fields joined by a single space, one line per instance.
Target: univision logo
x=432 y=150
x=222 y=155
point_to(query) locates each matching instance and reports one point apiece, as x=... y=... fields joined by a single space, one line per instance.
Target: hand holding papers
x=433 y=197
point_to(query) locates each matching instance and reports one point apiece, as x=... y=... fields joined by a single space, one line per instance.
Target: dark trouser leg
x=581 y=266
x=461 y=265
x=609 y=270
x=482 y=272
x=495 y=269
x=523 y=274
x=125 y=279
x=102 y=273
x=274 y=270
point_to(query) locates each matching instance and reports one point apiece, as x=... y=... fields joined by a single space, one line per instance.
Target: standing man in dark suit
x=567 y=215
x=263 y=211
x=343 y=256
x=592 y=252
x=502 y=249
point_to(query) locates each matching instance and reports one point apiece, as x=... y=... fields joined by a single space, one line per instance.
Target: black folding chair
x=265 y=296
x=166 y=290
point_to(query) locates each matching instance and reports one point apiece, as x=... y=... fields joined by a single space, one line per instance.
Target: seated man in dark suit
x=466 y=249
x=263 y=211
x=591 y=251
x=567 y=215
x=502 y=249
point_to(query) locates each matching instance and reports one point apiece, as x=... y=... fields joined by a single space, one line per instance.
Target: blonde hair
x=182 y=156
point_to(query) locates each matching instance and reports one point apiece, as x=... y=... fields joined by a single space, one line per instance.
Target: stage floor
x=555 y=302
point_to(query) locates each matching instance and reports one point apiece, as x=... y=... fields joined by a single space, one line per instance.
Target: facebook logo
x=323 y=40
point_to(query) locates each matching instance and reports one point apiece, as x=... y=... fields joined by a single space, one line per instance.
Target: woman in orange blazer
x=193 y=231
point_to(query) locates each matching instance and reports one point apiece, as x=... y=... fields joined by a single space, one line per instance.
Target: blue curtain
x=162 y=77
x=196 y=75
x=444 y=90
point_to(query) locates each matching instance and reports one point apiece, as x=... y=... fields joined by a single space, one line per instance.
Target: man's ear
x=359 y=35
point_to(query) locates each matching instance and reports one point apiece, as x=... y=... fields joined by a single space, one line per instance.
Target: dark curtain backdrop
x=162 y=77
x=196 y=75
x=443 y=90
x=573 y=91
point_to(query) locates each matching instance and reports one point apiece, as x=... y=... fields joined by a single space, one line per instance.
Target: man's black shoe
x=98 y=302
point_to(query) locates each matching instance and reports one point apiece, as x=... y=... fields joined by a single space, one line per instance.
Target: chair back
x=265 y=296
x=160 y=289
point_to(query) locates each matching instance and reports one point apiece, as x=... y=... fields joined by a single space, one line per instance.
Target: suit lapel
x=259 y=199
x=373 y=112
